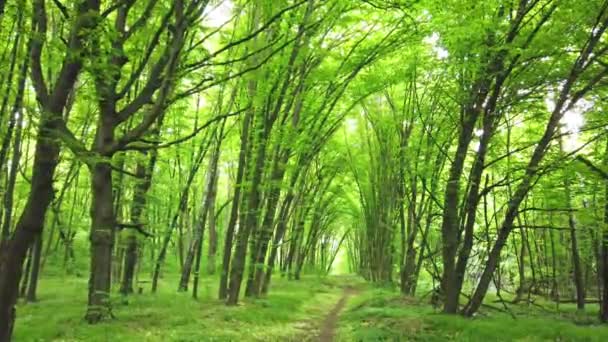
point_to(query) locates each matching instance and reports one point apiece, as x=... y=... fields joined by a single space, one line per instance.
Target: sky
x=219 y=13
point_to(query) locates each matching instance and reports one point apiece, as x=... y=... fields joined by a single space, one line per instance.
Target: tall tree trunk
x=234 y=211
x=212 y=251
x=265 y=236
x=449 y=226
x=470 y=209
x=195 y=250
x=208 y=203
x=181 y=210
x=566 y=99
x=194 y=254
x=280 y=233
x=30 y=224
x=103 y=224
x=253 y=205
x=138 y=206
x=576 y=259
x=15 y=120
x=604 y=250
x=513 y=206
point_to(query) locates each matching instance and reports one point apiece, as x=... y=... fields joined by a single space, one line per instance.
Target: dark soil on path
x=328 y=328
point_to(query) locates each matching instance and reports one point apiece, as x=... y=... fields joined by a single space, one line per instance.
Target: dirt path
x=328 y=328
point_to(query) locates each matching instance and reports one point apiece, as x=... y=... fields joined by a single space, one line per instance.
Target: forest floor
x=313 y=309
x=330 y=324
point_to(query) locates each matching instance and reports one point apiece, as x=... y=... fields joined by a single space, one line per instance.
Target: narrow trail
x=330 y=324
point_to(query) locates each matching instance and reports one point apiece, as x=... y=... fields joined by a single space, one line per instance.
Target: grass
x=381 y=315
x=291 y=312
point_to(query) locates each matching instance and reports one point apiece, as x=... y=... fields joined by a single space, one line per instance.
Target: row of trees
x=118 y=104
x=484 y=145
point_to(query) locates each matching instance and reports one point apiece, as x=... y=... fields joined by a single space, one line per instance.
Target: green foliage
x=354 y=112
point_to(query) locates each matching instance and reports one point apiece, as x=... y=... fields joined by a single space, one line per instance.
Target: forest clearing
x=303 y=170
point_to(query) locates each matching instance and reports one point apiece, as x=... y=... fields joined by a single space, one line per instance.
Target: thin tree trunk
x=279 y=234
x=181 y=209
x=253 y=203
x=26 y=272
x=212 y=251
x=137 y=208
x=449 y=227
x=576 y=259
x=564 y=101
x=208 y=204
x=35 y=259
x=15 y=120
x=265 y=236
x=234 y=211
x=604 y=250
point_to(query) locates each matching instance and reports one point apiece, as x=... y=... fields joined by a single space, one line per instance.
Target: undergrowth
x=290 y=311
x=382 y=315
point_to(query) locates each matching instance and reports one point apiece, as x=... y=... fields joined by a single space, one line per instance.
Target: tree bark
x=212 y=251
x=102 y=239
x=579 y=283
x=29 y=225
x=35 y=271
x=604 y=250
x=253 y=203
x=15 y=158
x=46 y=155
x=272 y=203
x=234 y=211
x=449 y=226
x=208 y=205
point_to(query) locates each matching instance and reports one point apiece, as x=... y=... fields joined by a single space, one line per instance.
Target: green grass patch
x=382 y=315
x=292 y=309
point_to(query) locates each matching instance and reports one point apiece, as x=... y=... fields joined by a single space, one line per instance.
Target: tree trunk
x=33 y=283
x=16 y=120
x=130 y=254
x=265 y=236
x=194 y=254
x=29 y=225
x=102 y=242
x=278 y=237
x=604 y=250
x=26 y=271
x=208 y=206
x=130 y=262
x=253 y=203
x=565 y=101
x=513 y=206
x=576 y=259
x=212 y=251
x=181 y=209
x=449 y=227
x=234 y=211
